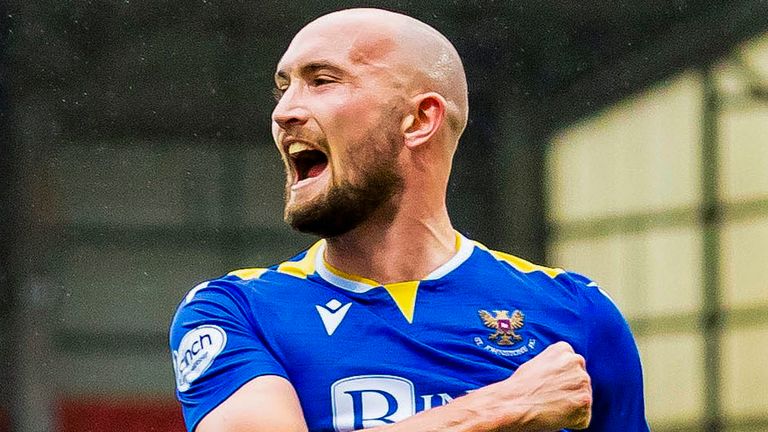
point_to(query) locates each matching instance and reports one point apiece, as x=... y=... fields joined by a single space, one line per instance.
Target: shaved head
x=371 y=105
x=419 y=59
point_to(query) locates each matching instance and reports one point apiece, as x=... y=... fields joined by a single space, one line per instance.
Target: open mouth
x=307 y=161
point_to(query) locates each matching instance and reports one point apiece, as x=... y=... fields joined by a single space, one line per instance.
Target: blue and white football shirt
x=361 y=354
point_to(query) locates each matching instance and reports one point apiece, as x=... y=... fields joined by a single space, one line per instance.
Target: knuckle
x=587 y=383
x=582 y=382
x=563 y=346
x=578 y=360
x=583 y=401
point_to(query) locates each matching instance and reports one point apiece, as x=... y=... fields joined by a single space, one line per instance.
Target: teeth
x=297 y=147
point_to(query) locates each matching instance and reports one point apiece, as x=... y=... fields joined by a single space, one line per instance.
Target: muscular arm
x=266 y=403
x=550 y=392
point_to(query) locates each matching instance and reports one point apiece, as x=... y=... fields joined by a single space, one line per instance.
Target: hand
x=550 y=392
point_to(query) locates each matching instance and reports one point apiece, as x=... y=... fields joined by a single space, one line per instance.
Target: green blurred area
x=137 y=161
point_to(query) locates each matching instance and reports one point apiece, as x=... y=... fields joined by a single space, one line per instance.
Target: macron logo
x=332 y=314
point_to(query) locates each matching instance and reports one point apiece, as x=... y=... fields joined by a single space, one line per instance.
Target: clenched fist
x=550 y=392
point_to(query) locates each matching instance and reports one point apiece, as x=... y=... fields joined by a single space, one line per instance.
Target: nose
x=290 y=111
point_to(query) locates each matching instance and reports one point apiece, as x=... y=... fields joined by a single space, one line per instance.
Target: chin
x=335 y=212
x=320 y=221
x=329 y=207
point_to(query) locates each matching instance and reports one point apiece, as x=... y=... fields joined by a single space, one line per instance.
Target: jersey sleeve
x=613 y=364
x=217 y=347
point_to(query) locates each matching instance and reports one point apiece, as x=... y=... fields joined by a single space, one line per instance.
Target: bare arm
x=550 y=392
x=266 y=403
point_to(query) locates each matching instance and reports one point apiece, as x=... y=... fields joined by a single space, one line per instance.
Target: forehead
x=342 y=44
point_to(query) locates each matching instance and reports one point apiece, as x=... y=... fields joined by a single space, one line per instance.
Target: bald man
x=393 y=321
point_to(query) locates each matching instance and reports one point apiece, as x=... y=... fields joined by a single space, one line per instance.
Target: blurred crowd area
x=624 y=140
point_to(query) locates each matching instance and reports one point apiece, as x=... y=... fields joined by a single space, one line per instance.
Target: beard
x=346 y=205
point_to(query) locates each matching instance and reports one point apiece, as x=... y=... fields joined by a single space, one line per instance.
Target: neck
x=387 y=249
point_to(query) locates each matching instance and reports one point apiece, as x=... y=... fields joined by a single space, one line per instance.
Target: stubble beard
x=345 y=205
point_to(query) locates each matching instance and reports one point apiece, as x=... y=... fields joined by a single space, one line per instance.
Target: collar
x=359 y=284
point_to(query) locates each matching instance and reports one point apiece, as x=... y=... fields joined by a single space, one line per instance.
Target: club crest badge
x=504 y=326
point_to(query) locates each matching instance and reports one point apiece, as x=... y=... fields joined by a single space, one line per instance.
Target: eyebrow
x=310 y=68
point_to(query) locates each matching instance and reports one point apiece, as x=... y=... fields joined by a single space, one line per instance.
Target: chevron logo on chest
x=332 y=313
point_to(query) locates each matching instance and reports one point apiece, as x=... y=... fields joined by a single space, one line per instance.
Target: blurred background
x=627 y=140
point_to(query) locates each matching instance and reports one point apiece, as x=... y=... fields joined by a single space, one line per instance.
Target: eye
x=322 y=80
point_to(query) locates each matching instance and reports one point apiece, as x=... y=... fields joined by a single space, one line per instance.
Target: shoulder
x=519 y=264
x=232 y=288
x=248 y=288
x=218 y=302
x=539 y=275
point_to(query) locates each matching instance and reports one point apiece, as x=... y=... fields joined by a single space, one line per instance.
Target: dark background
x=128 y=127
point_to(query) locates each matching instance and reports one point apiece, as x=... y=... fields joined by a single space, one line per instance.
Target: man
x=393 y=321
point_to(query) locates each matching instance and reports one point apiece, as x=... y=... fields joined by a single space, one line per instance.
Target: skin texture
x=393 y=80
x=383 y=94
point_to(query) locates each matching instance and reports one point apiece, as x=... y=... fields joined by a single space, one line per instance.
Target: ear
x=421 y=125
